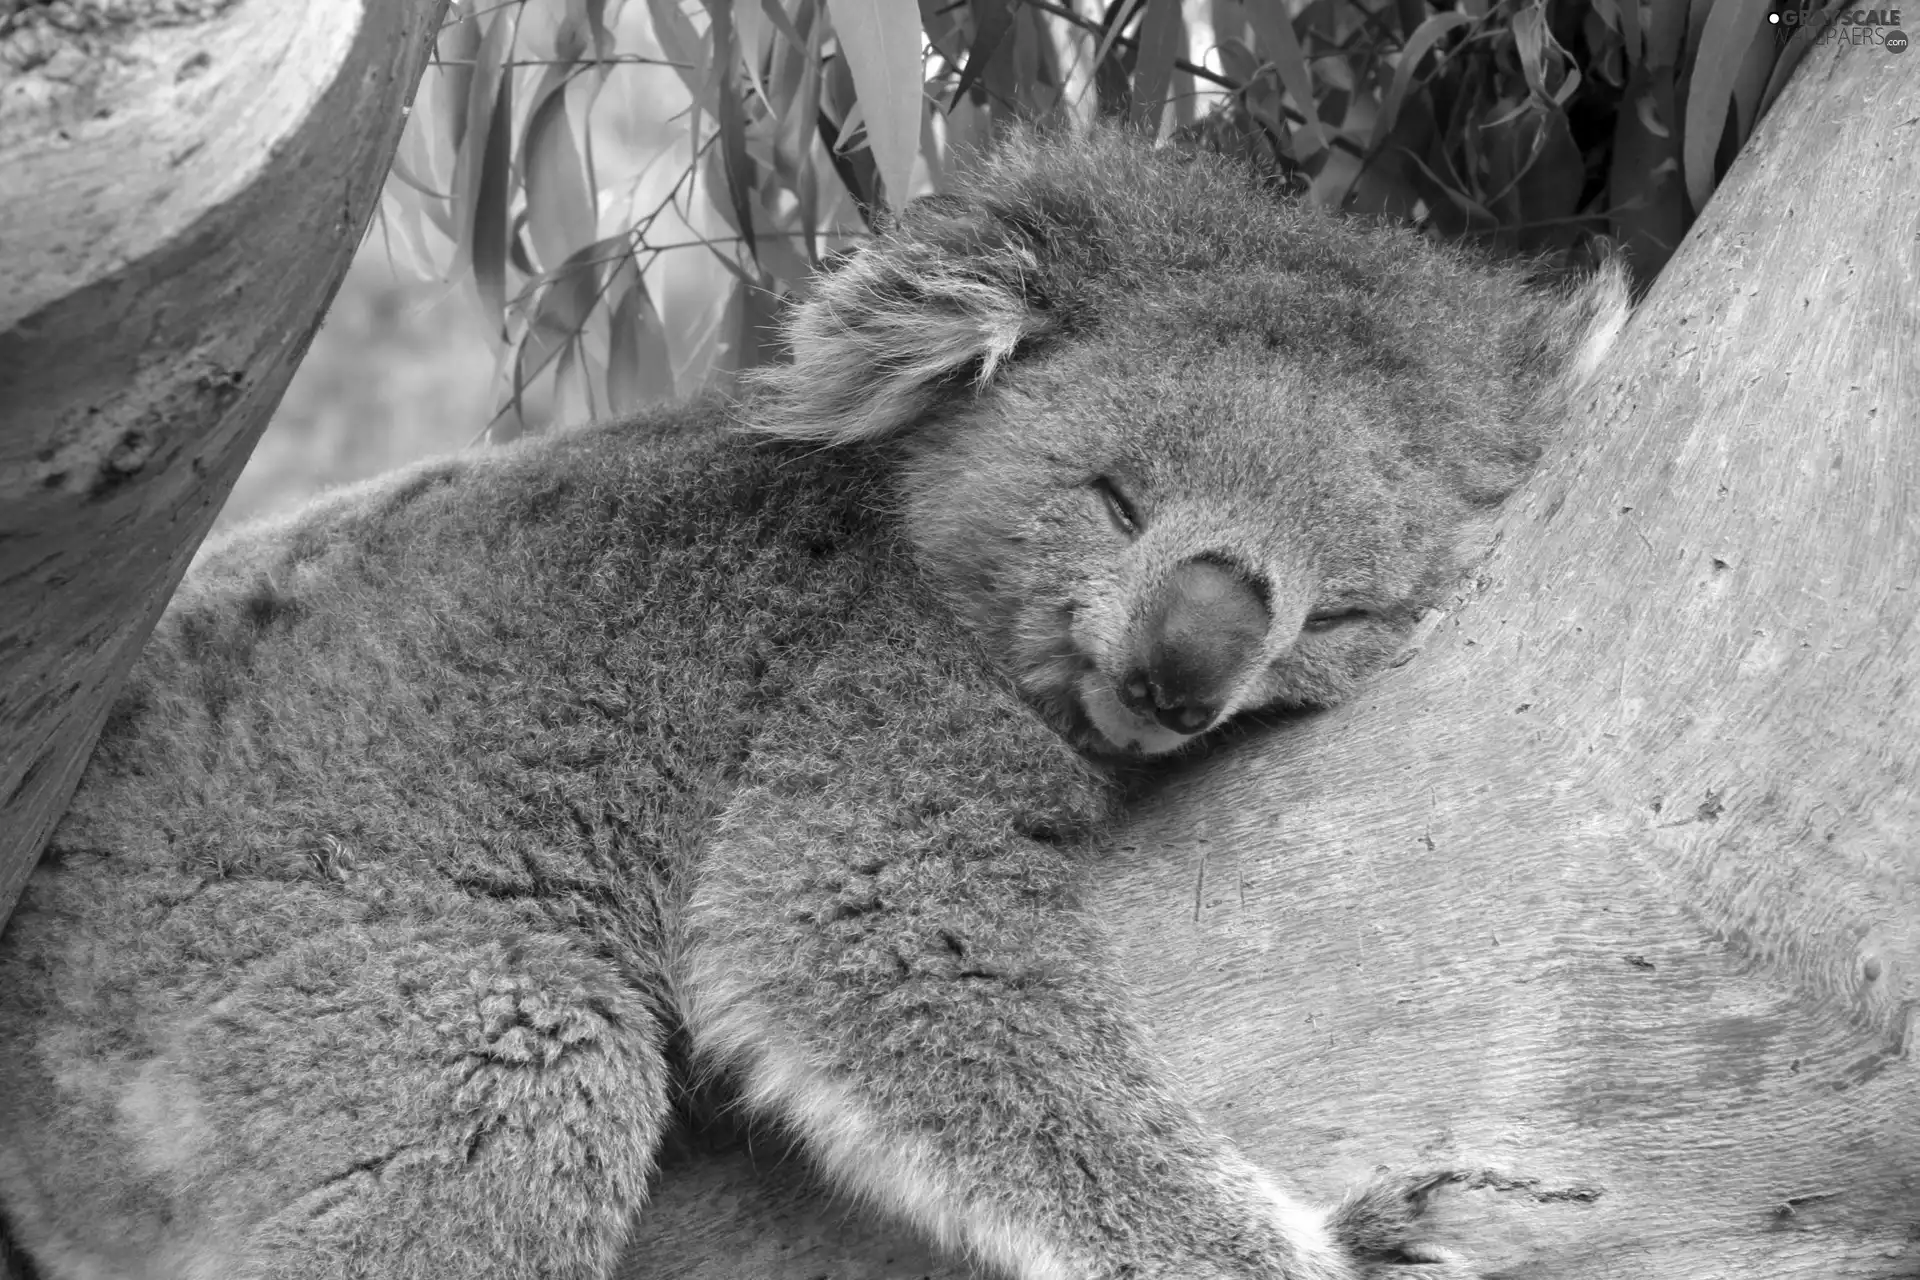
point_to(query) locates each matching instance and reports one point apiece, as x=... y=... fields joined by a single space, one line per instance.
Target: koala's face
x=1175 y=450
x=1170 y=523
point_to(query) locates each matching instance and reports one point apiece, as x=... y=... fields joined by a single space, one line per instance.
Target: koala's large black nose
x=1204 y=630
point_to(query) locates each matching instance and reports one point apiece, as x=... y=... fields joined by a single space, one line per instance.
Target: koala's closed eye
x=1120 y=509
x=1329 y=619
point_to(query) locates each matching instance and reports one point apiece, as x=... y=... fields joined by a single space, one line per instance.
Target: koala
x=447 y=826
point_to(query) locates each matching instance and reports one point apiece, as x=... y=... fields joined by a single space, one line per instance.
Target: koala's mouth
x=1118 y=728
x=1070 y=688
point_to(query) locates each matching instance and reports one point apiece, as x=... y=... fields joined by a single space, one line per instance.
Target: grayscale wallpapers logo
x=1816 y=24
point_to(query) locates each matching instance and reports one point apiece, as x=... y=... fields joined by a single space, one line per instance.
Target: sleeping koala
x=440 y=820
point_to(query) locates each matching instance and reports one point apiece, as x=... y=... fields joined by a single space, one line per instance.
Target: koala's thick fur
x=433 y=814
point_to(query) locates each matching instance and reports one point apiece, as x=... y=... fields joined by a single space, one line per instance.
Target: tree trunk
x=1609 y=899
x=181 y=190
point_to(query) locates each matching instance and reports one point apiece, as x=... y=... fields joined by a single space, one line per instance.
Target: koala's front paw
x=1378 y=1225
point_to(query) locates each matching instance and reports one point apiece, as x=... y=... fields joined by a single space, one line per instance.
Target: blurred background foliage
x=600 y=204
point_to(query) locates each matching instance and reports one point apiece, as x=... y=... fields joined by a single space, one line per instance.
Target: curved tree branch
x=1611 y=898
x=178 y=204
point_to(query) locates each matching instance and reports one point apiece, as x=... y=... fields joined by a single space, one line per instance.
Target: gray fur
x=435 y=816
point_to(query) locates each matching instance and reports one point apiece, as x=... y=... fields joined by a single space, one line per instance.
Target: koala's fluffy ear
x=948 y=292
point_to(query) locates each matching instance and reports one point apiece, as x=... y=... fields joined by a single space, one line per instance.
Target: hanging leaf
x=458 y=48
x=406 y=174
x=681 y=41
x=753 y=32
x=793 y=138
x=992 y=19
x=416 y=163
x=881 y=41
x=1163 y=37
x=1731 y=26
x=485 y=170
x=1116 y=22
x=1550 y=73
x=488 y=247
x=732 y=120
x=584 y=28
x=781 y=22
x=406 y=189
x=1424 y=38
x=639 y=371
x=1273 y=32
x=787 y=64
x=856 y=170
x=714 y=170
x=566 y=300
x=796 y=93
x=560 y=206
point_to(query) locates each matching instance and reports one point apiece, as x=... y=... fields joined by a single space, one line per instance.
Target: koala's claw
x=1378 y=1224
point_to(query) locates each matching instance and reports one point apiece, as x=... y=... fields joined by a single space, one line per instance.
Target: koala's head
x=1175 y=450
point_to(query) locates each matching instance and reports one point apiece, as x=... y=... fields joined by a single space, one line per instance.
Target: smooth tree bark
x=182 y=186
x=1609 y=900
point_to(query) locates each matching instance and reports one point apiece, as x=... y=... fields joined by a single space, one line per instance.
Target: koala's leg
x=884 y=947
x=267 y=1080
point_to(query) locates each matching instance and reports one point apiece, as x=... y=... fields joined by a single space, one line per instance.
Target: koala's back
x=436 y=673
x=463 y=728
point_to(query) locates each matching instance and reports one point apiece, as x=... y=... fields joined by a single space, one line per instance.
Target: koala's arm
x=884 y=946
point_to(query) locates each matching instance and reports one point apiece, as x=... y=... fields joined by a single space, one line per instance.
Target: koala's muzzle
x=1204 y=630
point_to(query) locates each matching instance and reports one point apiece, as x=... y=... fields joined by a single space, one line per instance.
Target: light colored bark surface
x=1609 y=899
x=178 y=204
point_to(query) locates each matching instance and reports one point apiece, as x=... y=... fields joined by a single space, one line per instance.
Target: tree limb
x=179 y=203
